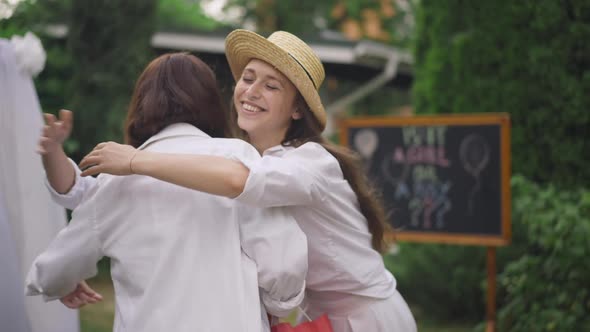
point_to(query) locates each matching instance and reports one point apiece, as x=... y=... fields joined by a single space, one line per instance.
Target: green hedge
x=530 y=58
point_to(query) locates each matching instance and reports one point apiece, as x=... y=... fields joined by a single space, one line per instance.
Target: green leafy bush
x=444 y=282
x=548 y=287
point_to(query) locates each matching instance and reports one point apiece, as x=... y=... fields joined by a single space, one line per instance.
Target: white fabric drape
x=12 y=304
x=32 y=216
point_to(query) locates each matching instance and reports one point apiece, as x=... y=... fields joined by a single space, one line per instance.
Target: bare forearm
x=60 y=172
x=210 y=174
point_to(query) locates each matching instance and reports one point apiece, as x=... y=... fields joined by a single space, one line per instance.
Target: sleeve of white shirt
x=72 y=198
x=274 y=241
x=272 y=238
x=299 y=177
x=70 y=258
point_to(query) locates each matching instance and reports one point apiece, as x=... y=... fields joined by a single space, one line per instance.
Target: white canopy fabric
x=29 y=219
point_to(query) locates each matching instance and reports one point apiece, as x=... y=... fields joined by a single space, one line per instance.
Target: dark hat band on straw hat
x=305 y=70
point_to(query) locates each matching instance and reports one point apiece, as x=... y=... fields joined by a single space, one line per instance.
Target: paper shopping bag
x=320 y=324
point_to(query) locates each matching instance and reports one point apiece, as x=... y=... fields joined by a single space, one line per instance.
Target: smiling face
x=264 y=100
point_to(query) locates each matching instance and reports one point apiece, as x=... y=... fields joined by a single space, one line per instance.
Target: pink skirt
x=354 y=313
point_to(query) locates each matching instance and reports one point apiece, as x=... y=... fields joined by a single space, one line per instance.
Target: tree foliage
x=387 y=21
x=183 y=15
x=109 y=44
x=530 y=58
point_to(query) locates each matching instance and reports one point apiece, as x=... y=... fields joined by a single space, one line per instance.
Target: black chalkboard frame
x=501 y=119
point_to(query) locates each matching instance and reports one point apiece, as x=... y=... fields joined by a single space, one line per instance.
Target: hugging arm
x=259 y=181
x=211 y=174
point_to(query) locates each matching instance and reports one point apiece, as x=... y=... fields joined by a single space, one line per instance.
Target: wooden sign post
x=491 y=293
x=445 y=179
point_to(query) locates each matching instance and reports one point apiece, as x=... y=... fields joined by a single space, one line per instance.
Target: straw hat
x=288 y=54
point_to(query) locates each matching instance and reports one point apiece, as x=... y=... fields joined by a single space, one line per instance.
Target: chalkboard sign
x=443 y=178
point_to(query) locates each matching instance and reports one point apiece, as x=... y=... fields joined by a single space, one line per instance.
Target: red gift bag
x=320 y=324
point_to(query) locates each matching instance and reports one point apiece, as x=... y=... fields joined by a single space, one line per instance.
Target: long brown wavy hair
x=308 y=129
x=174 y=88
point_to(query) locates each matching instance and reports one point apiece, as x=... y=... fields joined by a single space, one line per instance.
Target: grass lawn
x=428 y=325
x=99 y=317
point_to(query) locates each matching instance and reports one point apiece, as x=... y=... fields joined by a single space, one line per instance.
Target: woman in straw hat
x=164 y=239
x=279 y=111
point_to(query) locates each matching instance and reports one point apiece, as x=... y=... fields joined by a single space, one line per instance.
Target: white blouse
x=309 y=181
x=177 y=255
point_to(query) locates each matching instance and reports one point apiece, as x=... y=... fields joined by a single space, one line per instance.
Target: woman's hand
x=110 y=158
x=55 y=132
x=81 y=296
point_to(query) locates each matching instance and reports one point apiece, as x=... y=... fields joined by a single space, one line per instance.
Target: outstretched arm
x=210 y=174
x=60 y=172
x=70 y=258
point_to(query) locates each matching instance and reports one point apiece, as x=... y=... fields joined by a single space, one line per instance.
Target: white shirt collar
x=175 y=130
x=277 y=150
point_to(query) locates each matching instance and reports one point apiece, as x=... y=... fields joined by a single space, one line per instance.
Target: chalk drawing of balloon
x=366 y=142
x=475 y=156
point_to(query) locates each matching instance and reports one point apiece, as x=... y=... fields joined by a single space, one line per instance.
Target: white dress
x=33 y=218
x=180 y=260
